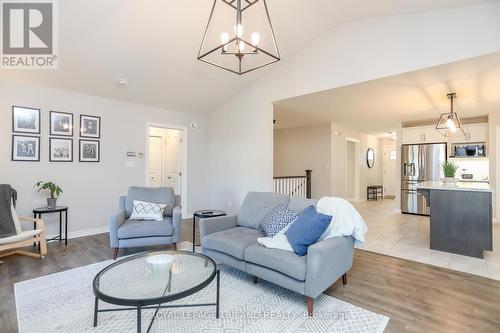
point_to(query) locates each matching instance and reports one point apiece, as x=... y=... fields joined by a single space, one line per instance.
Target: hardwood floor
x=416 y=297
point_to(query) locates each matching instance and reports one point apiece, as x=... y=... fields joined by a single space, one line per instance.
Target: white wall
x=305 y=148
x=322 y=148
x=240 y=131
x=91 y=190
x=366 y=176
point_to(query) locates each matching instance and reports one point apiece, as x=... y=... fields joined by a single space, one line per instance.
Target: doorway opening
x=352 y=170
x=390 y=171
x=166 y=160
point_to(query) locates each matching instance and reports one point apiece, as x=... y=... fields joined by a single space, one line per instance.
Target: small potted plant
x=449 y=170
x=55 y=191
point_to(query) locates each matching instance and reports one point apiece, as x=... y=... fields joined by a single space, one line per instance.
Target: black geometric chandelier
x=449 y=123
x=239 y=36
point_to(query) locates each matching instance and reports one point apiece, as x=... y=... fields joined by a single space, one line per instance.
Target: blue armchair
x=124 y=232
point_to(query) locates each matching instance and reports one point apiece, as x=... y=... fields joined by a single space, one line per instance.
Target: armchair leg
x=254 y=279
x=174 y=246
x=310 y=306
x=344 y=279
x=43 y=247
x=115 y=252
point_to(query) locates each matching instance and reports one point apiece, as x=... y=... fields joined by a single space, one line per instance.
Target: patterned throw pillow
x=147 y=211
x=277 y=220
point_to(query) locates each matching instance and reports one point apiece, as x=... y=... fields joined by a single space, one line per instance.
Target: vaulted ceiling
x=153 y=44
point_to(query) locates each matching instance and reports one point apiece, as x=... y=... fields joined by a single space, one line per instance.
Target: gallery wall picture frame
x=25 y=148
x=25 y=119
x=90 y=150
x=61 y=123
x=90 y=126
x=60 y=150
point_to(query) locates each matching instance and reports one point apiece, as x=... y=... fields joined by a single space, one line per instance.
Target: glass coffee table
x=149 y=280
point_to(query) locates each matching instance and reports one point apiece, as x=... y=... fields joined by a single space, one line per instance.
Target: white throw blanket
x=346 y=221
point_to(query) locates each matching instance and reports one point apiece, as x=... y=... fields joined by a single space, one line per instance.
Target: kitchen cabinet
x=423 y=134
x=475 y=133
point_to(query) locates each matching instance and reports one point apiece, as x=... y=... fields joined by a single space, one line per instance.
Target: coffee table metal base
x=139 y=308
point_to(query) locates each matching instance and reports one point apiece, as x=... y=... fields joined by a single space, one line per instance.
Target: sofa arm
x=327 y=261
x=176 y=222
x=114 y=222
x=215 y=224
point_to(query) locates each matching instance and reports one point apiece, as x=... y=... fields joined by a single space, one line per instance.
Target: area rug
x=64 y=302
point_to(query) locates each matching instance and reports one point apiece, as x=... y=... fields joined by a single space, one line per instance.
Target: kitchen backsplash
x=478 y=167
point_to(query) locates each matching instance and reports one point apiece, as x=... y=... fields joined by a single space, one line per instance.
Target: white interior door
x=174 y=160
x=155 y=176
x=390 y=171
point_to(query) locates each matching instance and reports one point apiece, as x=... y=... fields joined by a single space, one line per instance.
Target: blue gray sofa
x=124 y=232
x=232 y=240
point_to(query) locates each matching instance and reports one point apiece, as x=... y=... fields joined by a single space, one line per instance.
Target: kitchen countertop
x=460 y=186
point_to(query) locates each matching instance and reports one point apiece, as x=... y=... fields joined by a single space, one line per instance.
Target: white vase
x=449 y=180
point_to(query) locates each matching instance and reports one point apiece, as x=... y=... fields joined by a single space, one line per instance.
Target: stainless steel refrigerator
x=419 y=163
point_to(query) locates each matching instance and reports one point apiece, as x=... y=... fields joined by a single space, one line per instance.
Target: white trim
x=82 y=233
x=356 y=168
x=184 y=187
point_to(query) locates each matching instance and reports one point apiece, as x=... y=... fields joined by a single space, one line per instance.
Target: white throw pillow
x=16 y=219
x=147 y=211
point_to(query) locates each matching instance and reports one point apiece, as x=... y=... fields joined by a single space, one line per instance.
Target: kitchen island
x=460 y=217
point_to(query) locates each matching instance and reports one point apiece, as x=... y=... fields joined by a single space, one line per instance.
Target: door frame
x=184 y=153
x=386 y=148
x=356 y=168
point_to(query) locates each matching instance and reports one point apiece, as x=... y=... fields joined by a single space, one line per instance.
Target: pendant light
x=239 y=36
x=449 y=123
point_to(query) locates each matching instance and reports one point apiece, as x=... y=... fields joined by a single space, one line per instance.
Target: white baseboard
x=82 y=233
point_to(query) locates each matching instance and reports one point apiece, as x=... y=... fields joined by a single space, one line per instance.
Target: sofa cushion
x=162 y=195
x=307 y=229
x=138 y=229
x=285 y=262
x=232 y=241
x=279 y=218
x=24 y=235
x=257 y=205
x=298 y=204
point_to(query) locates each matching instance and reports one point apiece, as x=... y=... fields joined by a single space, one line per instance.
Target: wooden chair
x=25 y=238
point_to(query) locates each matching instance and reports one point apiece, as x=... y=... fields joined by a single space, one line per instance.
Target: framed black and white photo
x=90 y=126
x=61 y=123
x=61 y=150
x=89 y=151
x=25 y=120
x=25 y=148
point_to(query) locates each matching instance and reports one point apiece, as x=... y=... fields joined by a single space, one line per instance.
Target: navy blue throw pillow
x=307 y=229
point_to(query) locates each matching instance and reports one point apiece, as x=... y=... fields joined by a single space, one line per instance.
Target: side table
x=205 y=214
x=38 y=212
x=373 y=192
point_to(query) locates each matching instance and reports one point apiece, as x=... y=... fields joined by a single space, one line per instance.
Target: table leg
x=66 y=228
x=194 y=227
x=60 y=226
x=138 y=319
x=96 y=307
x=34 y=226
x=218 y=295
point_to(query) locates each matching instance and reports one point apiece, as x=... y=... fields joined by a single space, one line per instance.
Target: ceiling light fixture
x=449 y=123
x=239 y=36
